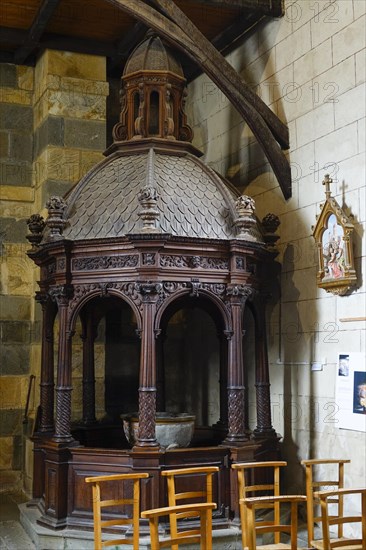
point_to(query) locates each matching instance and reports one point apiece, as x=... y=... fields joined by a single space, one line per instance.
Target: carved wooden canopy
x=46 y=25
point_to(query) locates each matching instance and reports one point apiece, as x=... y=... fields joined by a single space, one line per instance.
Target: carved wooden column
x=47 y=367
x=223 y=420
x=147 y=390
x=237 y=295
x=160 y=373
x=264 y=421
x=88 y=337
x=63 y=388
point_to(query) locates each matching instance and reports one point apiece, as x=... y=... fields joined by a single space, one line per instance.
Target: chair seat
x=279 y=546
x=318 y=544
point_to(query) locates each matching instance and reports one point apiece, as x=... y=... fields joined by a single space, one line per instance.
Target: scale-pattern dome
x=193 y=200
x=152 y=55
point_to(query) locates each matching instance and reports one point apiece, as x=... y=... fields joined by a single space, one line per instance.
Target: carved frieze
x=128 y=289
x=204 y=262
x=105 y=262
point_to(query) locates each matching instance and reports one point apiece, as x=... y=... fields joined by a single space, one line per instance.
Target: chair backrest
x=253 y=504
x=187 y=476
x=247 y=487
x=99 y=504
x=315 y=482
x=328 y=521
x=203 y=535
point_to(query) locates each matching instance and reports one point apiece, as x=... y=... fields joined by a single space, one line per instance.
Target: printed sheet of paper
x=351 y=391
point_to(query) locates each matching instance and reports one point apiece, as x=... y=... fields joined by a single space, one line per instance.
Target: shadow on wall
x=242 y=158
x=295 y=481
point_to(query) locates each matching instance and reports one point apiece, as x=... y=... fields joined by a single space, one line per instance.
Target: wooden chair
x=203 y=535
x=248 y=488
x=254 y=528
x=175 y=498
x=326 y=499
x=314 y=483
x=98 y=504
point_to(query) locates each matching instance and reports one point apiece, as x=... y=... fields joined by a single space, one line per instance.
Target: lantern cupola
x=152 y=95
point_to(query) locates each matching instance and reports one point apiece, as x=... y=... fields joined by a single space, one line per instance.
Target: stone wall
x=53 y=128
x=309 y=66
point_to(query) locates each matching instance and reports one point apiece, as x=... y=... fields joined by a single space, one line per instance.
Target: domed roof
x=193 y=201
x=152 y=55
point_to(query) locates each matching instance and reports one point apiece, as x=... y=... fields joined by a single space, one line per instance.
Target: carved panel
x=63 y=411
x=61 y=264
x=148 y=258
x=147 y=407
x=263 y=406
x=240 y=262
x=204 y=262
x=236 y=411
x=105 y=262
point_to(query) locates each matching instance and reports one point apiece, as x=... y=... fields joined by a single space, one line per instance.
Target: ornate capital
x=243 y=292
x=149 y=290
x=41 y=297
x=61 y=294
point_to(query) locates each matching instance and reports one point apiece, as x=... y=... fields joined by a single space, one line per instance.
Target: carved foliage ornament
x=333 y=234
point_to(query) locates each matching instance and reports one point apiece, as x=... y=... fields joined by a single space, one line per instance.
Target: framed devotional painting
x=333 y=234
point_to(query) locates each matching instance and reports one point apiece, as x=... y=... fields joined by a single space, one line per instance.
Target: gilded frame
x=333 y=234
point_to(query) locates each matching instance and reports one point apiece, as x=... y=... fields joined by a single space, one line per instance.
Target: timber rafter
x=35 y=32
x=172 y=24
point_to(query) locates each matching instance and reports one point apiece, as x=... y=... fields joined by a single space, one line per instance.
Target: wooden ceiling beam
x=180 y=31
x=77 y=45
x=55 y=42
x=273 y=8
x=123 y=47
x=31 y=41
x=14 y=36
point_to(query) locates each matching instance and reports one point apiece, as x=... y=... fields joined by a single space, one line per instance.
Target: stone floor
x=14 y=537
x=12 y=534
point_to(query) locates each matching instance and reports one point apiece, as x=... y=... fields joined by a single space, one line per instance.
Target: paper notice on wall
x=351 y=391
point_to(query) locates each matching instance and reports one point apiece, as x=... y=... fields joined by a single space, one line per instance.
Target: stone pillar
x=264 y=421
x=69 y=120
x=147 y=390
x=237 y=295
x=19 y=329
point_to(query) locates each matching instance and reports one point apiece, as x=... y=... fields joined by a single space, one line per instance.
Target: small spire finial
x=327 y=181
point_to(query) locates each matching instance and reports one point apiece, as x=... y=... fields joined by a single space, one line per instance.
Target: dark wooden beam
x=265 y=7
x=209 y=54
x=264 y=124
x=124 y=46
x=35 y=32
x=55 y=42
x=78 y=45
x=13 y=36
x=229 y=38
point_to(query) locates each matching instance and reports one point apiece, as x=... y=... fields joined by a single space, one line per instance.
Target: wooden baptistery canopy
x=155 y=229
x=199 y=29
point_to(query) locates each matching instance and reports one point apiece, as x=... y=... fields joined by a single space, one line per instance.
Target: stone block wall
x=309 y=67
x=16 y=309
x=52 y=131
